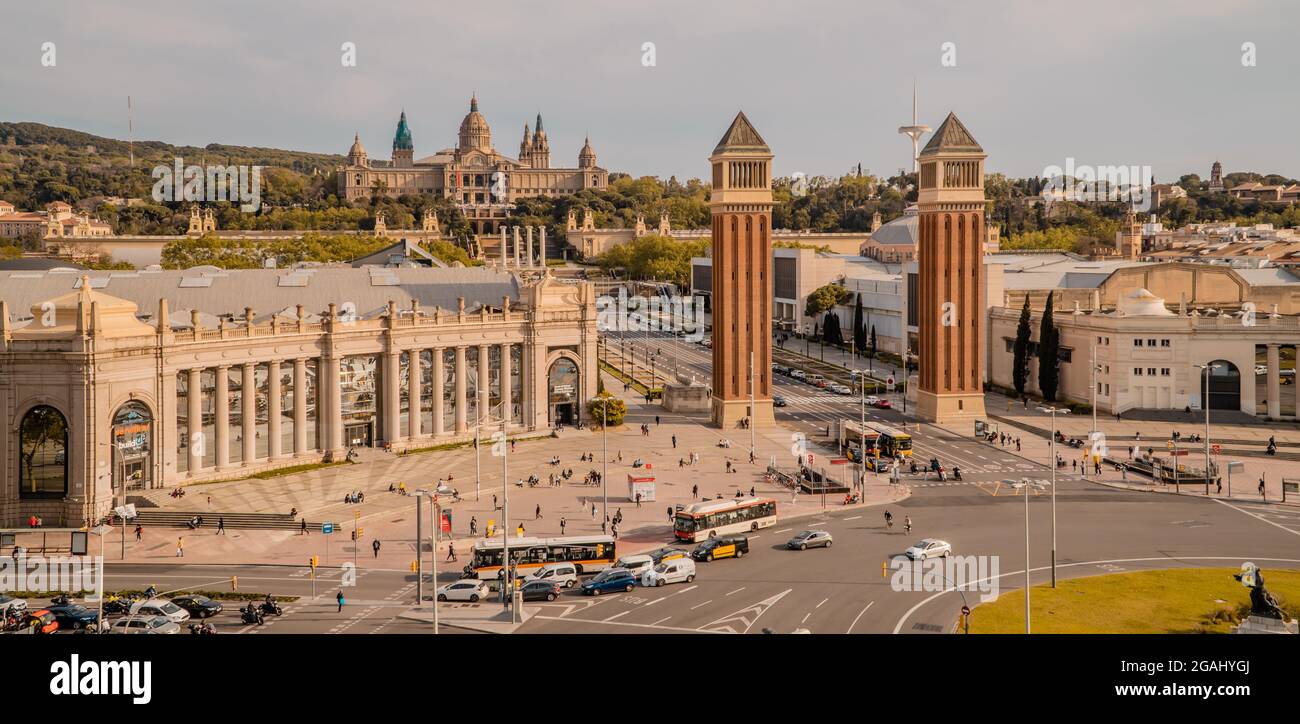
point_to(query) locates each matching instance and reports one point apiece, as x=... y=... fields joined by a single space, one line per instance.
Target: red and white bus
x=711 y=518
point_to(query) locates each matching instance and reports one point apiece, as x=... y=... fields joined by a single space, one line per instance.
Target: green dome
x=402 y=139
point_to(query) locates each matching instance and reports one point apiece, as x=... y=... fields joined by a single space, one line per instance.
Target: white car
x=636 y=564
x=464 y=590
x=145 y=625
x=160 y=607
x=1261 y=370
x=871 y=399
x=929 y=548
x=839 y=389
x=565 y=574
x=678 y=570
x=8 y=603
x=798 y=374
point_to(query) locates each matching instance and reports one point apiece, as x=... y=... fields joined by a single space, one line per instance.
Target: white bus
x=711 y=518
x=588 y=553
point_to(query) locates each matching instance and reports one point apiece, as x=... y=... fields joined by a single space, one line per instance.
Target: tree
x=604 y=404
x=1049 y=345
x=1020 y=361
x=874 y=348
x=823 y=298
x=859 y=327
x=831 y=329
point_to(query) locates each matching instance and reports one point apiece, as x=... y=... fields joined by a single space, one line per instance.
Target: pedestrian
x=638 y=500
x=494 y=502
x=339 y=597
x=521 y=530
x=695 y=491
x=563 y=522
x=451 y=552
x=375 y=547
x=1261 y=487
x=512 y=446
x=139 y=533
x=728 y=466
x=602 y=527
x=674 y=442
x=593 y=511
x=670 y=514
x=180 y=547
x=614 y=531
x=473 y=525
x=537 y=514
x=1218 y=486
x=221 y=525
x=209 y=501
x=656 y=421
x=1096 y=468
x=1017 y=444
x=302 y=530
x=751 y=491
x=1123 y=471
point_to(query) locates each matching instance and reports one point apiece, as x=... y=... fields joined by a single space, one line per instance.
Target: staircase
x=243 y=521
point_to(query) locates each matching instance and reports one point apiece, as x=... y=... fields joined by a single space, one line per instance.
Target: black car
x=778 y=401
x=198 y=606
x=540 y=591
x=73 y=615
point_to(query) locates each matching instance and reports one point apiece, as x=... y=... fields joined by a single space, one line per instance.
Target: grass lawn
x=294 y=469
x=1183 y=600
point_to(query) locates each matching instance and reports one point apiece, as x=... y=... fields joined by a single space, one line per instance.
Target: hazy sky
x=827 y=82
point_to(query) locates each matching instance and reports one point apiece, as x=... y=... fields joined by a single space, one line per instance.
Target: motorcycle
x=956 y=473
x=251 y=615
x=202 y=628
x=271 y=609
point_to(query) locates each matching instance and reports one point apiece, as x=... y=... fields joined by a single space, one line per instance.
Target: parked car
x=929 y=548
x=816 y=380
x=839 y=389
x=610 y=579
x=723 y=546
x=199 y=606
x=678 y=570
x=73 y=616
x=41 y=622
x=145 y=625
x=9 y=603
x=799 y=374
x=636 y=564
x=541 y=590
x=667 y=553
x=160 y=607
x=563 y=574
x=780 y=369
x=778 y=401
x=810 y=539
x=464 y=590
x=882 y=404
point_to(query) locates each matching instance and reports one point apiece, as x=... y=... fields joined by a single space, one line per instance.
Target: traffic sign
x=1216 y=449
x=965 y=610
x=327 y=528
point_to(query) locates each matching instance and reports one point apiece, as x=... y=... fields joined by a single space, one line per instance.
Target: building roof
x=901 y=231
x=37 y=263
x=219 y=292
x=741 y=136
x=951 y=136
x=402 y=139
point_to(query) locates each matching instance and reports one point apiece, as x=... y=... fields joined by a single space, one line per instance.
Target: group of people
x=354 y=497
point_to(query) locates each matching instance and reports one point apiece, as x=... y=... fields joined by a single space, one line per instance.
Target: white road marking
x=665 y=618
x=738 y=590
x=702 y=604
x=824 y=600
x=783 y=530
x=805 y=618
x=853 y=518
x=657 y=600
x=625 y=623
x=855 y=618
x=611 y=618
x=1259 y=517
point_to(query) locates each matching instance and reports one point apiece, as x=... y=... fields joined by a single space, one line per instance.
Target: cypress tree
x=859 y=328
x=873 y=341
x=1020 y=363
x=831 y=330
x=1049 y=345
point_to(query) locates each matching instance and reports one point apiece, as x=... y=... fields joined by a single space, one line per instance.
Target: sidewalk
x=390 y=517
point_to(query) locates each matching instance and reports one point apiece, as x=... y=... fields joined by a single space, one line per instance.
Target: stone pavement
x=390 y=517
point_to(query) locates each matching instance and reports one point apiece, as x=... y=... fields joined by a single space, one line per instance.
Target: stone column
x=1274 y=391
x=274 y=405
x=505 y=246
x=438 y=411
x=541 y=251
x=415 y=388
x=328 y=377
x=484 y=378
x=194 y=410
x=506 y=390
x=460 y=390
x=529 y=247
x=248 y=400
x=221 y=421
x=300 y=445
x=515 y=230
x=391 y=414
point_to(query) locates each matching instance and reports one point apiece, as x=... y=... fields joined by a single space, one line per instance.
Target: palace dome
x=474 y=130
x=1142 y=303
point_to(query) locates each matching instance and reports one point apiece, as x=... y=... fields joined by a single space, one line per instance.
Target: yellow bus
x=892 y=442
x=589 y=554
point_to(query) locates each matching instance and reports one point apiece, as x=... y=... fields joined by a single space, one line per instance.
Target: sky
x=826 y=82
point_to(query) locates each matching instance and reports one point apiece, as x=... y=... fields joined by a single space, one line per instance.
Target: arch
x=563 y=389
x=132 y=435
x=43 y=453
x=1224 y=385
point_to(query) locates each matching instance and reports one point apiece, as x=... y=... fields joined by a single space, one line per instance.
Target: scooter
x=251 y=615
x=271 y=609
x=956 y=473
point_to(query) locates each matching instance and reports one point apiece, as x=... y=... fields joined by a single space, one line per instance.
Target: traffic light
x=354 y=535
x=413 y=567
x=315 y=561
x=234 y=583
x=360 y=532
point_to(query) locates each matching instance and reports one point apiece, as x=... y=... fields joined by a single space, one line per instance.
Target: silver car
x=810 y=539
x=145 y=625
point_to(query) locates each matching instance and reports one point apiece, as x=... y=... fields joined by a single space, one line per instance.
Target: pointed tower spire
x=473 y=102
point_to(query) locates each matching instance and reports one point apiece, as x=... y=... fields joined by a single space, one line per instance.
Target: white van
x=565 y=574
x=636 y=564
x=678 y=570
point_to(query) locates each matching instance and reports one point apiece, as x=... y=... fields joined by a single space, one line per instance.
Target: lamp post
x=1052 y=411
x=1025 y=483
x=420 y=494
x=604 y=457
x=102 y=531
x=1205 y=403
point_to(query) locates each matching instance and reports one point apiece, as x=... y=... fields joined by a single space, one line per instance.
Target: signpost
x=326 y=529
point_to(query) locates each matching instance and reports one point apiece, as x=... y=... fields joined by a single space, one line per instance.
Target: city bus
x=588 y=553
x=712 y=518
x=853 y=434
x=892 y=442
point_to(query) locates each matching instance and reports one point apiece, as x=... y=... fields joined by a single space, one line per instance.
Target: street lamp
x=1205 y=402
x=604 y=456
x=419 y=543
x=102 y=531
x=1052 y=411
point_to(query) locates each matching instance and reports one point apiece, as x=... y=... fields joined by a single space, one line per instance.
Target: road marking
x=628 y=623
x=657 y=600
x=853 y=518
x=617 y=615
x=738 y=590
x=665 y=618
x=855 y=618
x=824 y=600
x=1259 y=517
x=702 y=604
x=743 y=615
x=783 y=530
x=805 y=618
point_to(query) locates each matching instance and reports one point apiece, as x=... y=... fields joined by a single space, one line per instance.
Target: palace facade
x=483 y=182
x=113 y=382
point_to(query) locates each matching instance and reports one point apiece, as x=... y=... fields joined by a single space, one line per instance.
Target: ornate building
x=482 y=182
x=742 y=288
x=950 y=255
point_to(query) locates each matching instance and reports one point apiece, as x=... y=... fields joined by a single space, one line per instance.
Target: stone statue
x=1262 y=602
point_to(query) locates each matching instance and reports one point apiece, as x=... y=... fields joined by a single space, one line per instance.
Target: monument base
x=946 y=408
x=1266 y=625
x=680 y=397
x=727 y=414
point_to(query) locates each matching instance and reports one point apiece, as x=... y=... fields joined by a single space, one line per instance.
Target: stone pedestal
x=1265 y=625
x=687 y=397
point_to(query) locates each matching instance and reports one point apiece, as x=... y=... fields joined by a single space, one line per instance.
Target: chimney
x=164 y=324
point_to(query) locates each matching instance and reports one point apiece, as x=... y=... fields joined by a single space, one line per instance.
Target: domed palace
x=469 y=172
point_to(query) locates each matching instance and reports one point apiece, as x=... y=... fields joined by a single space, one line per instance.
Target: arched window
x=43 y=453
x=133 y=446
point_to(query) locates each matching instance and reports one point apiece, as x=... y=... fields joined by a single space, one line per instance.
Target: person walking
x=339 y=597
x=603 y=525
x=494 y=501
x=593 y=511
x=473 y=525
x=656 y=421
x=1261 y=487
x=451 y=552
x=563 y=522
x=674 y=442
x=302 y=530
x=638 y=500
x=139 y=533
x=375 y=547
x=613 y=530
x=180 y=547
x=695 y=491
x=537 y=514
x=521 y=530
x=221 y=525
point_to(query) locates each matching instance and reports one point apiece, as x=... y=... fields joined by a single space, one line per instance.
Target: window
x=1164 y=343
x=1164 y=371
x=1151 y=343
x=1151 y=371
x=1137 y=371
x=43 y=453
x=1011 y=344
x=1137 y=343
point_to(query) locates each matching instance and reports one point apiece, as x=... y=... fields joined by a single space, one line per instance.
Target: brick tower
x=950 y=278
x=742 y=278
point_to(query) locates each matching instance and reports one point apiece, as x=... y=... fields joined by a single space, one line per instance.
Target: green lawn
x=1184 y=600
